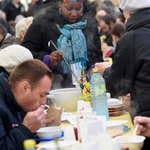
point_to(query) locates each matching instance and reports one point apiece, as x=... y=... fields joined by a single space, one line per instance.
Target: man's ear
x=25 y=87
x=115 y=38
x=22 y=34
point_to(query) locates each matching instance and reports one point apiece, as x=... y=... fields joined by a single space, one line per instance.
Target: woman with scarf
x=73 y=30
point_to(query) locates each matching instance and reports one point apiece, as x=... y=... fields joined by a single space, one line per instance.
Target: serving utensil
x=51 y=42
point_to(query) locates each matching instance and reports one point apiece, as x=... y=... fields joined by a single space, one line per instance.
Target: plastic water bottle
x=98 y=94
x=29 y=144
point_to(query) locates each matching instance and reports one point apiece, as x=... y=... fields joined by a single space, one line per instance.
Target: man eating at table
x=25 y=90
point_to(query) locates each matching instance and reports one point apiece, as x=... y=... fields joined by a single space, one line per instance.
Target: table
x=126 y=116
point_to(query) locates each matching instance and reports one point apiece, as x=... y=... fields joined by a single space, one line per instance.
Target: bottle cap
x=95 y=70
x=30 y=143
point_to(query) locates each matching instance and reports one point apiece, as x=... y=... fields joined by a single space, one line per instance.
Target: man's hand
x=144 y=125
x=36 y=119
x=105 y=48
x=55 y=57
x=102 y=66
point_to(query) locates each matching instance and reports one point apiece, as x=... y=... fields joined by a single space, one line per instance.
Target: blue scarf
x=72 y=43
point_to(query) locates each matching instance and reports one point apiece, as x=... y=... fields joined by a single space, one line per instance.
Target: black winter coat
x=12 y=11
x=11 y=137
x=43 y=29
x=132 y=61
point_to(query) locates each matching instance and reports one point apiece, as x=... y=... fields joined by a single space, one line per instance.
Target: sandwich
x=55 y=112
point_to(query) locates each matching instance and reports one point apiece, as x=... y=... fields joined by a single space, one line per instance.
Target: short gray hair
x=22 y=25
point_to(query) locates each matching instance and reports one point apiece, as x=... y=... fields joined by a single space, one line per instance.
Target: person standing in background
x=121 y=19
x=34 y=7
x=132 y=58
x=8 y=27
x=6 y=39
x=21 y=29
x=12 y=9
x=56 y=18
x=4 y=2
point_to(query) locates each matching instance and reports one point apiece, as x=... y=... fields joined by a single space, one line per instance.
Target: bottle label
x=99 y=90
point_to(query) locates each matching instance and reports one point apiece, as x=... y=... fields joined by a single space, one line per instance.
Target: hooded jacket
x=12 y=132
x=132 y=61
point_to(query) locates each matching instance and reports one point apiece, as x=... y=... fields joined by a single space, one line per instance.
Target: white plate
x=117 y=124
x=114 y=102
x=62 y=145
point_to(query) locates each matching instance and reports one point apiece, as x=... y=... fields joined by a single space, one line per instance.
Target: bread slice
x=55 y=112
x=114 y=132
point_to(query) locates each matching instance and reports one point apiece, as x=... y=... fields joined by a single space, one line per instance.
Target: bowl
x=131 y=142
x=66 y=98
x=50 y=133
x=116 y=124
x=61 y=145
x=77 y=85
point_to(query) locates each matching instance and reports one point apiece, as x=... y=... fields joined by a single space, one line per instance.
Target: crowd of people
x=35 y=43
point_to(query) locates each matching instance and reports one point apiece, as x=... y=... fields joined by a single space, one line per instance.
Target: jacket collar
x=139 y=19
x=7 y=94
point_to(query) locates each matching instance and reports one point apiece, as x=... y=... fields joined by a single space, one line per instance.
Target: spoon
x=134 y=136
x=46 y=108
x=135 y=130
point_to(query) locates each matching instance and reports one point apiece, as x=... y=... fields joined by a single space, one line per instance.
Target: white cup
x=69 y=134
x=80 y=105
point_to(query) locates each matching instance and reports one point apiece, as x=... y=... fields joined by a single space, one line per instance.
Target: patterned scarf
x=72 y=43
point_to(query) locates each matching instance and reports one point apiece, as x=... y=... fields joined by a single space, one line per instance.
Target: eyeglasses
x=120 y=10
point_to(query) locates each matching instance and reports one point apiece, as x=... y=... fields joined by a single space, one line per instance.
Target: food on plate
x=55 y=112
x=114 y=132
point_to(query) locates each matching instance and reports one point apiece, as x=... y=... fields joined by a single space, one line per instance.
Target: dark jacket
x=43 y=29
x=11 y=137
x=8 y=27
x=132 y=61
x=12 y=11
x=7 y=41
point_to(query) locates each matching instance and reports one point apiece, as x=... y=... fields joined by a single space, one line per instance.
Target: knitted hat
x=13 y=55
x=132 y=6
